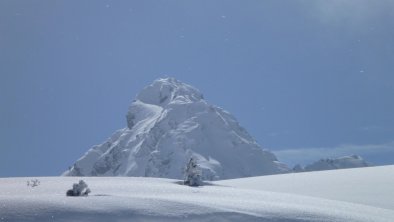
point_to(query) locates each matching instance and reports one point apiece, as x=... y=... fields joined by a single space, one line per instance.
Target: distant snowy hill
x=345 y=162
x=168 y=123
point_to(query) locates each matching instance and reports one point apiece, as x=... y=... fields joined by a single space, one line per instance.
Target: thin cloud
x=348 y=12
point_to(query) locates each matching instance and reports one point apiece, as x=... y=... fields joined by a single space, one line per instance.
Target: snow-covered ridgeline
x=345 y=162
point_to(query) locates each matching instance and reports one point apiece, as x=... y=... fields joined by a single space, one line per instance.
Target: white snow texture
x=351 y=195
x=168 y=123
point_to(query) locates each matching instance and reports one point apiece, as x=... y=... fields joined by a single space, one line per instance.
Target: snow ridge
x=353 y=161
x=168 y=123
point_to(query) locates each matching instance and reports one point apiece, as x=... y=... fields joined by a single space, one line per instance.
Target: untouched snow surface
x=372 y=186
x=248 y=199
x=167 y=124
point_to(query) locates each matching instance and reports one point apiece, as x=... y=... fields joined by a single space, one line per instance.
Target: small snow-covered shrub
x=33 y=183
x=79 y=189
x=193 y=174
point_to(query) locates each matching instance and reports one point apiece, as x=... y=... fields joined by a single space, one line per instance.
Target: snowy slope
x=353 y=161
x=156 y=199
x=372 y=186
x=168 y=123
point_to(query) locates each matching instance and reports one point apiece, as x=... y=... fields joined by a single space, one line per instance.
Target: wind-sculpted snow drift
x=168 y=123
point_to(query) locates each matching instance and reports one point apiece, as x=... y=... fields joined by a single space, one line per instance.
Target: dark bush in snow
x=193 y=173
x=79 y=189
x=33 y=183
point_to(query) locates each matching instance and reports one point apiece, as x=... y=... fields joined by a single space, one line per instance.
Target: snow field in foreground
x=372 y=186
x=155 y=199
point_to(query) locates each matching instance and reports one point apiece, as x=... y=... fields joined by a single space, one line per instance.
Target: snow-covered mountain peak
x=164 y=91
x=168 y=123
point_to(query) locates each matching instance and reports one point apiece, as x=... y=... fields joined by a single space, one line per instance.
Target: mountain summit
x=168 y=123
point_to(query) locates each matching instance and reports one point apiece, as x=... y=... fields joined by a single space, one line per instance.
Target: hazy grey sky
x=307 y=79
